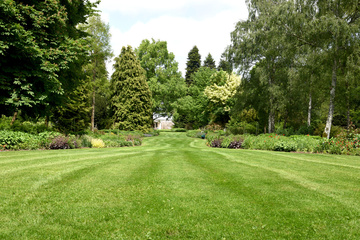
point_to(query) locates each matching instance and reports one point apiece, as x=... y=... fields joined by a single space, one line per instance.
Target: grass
x=174 y=187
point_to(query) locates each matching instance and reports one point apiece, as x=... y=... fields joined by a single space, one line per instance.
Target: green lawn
x=174 y=187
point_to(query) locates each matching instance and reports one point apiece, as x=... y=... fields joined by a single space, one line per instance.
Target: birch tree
x=99 y=53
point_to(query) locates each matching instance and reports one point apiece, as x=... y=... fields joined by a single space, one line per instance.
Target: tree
x=220 y=94
x=72 y=116
x=260 y=40
x=193 y=64
x=39 y=42
x=164 y=79
x=288 y=39
x=192 y=110
x=209 y=62
x=131 y=96
x=225 y=62
x=99 y=52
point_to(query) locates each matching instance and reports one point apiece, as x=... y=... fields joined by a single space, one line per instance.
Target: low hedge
x=10 y=140
x=275 y=142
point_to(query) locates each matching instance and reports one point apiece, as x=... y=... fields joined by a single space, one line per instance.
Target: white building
x=163 y=123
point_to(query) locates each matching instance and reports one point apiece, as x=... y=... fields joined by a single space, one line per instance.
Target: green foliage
x=192 y=65
x=192 y=110
x=73 y=116
x=305 y=54
x=209 y=62
x=196 y=134
x=11 y=140
x=219 y=140
x=226 y=62
x=162 y=74
x=178 y=130
x=38 y=45
x=23 y=126
x=98 y=40
x=131 y=96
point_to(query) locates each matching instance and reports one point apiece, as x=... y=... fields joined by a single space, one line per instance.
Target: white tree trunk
x=309 y=110
x=332 y=97
x=271 y=122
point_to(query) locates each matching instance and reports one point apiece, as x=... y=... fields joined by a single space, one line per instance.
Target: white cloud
x=137 y=6
x=210 y=35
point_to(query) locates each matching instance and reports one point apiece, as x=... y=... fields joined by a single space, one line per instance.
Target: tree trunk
x=348 y=118
x=46 y=121
x=285 y=120
x=93 y=112
x=271 y=121
x=309 y=110
x=332 y=97
x=93 y=99
x=14 y=117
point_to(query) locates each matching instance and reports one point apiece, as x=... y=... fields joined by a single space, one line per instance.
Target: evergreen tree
x=72 y=116
x=193 y=64
x=209 y=62
x=225 y=63
x=131 y=96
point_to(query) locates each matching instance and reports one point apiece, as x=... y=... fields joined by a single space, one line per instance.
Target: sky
x=182 y=24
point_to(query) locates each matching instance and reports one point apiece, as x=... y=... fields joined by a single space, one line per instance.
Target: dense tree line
x=300 y=62
x=41 y=51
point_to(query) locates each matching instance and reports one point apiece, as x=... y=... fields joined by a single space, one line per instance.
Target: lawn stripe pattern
x=174 y=187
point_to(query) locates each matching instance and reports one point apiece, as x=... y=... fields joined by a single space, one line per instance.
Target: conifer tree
x=209 y=62
x=193 y=64
x=131 y=96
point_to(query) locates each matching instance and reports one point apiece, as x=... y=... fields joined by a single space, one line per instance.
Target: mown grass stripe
x=292 y=175
x=174 y=187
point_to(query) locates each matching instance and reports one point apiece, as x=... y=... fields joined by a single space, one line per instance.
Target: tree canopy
x=131 y=96
x=39 y=42
x=163 y=77
x=193 y=64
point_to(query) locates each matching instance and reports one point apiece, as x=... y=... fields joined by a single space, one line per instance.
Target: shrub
x=237 y=127
x=86 y=141
x=213 y=127
x=236 y=142
x=60 y=142
x=196 y=134
x=178 y=130
x=97 y=143
x=216 y=143
x=284 y=146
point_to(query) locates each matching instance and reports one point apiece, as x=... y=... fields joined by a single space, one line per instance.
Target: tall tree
x=192 y=110
x=209 y=62
x=131 y=96
x=260 y=40
x=225 y=62
x=38 y=44
x=99 y=53
x=193 y=64
x=164 y=79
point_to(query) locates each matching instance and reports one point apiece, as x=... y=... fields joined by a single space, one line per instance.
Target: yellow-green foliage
x=220 y=94
x=97 y=143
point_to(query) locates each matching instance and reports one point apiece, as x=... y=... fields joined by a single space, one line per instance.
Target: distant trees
x=209 y=62
x=131 y=96
x=162 y=75
x=193 y=64
x=301 y=48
